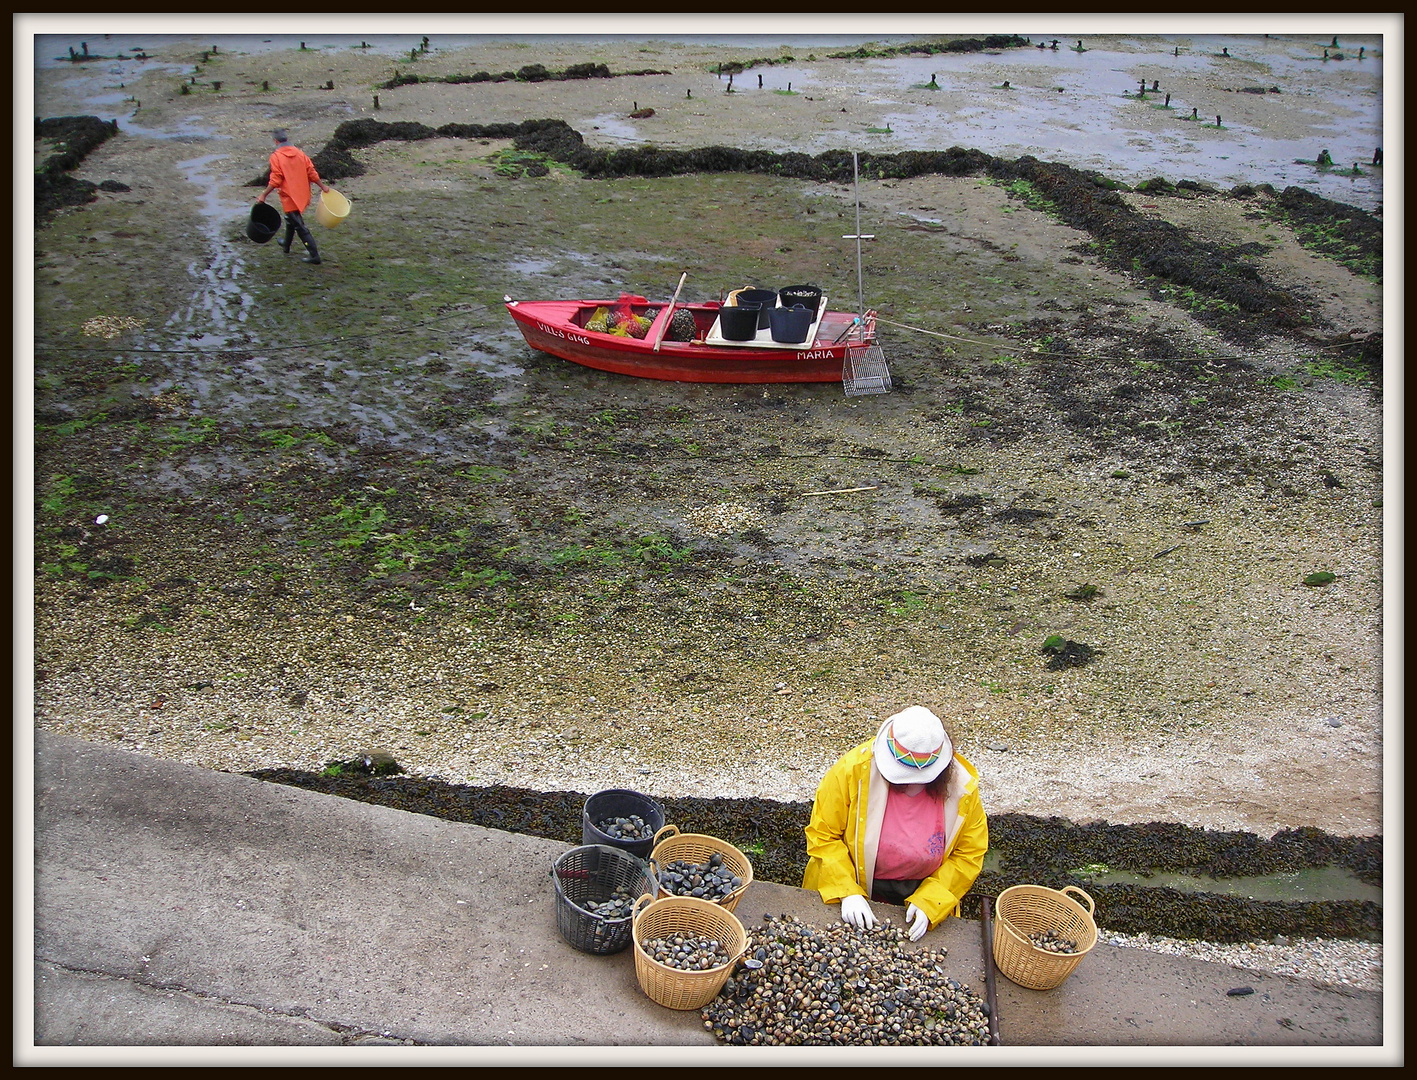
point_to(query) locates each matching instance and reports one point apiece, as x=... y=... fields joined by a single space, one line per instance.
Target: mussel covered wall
x=1030 y=850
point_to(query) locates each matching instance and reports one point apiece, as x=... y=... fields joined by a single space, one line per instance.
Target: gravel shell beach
x=759 y=627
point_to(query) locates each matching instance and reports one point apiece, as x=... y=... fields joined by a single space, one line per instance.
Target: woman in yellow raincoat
x=898 y=819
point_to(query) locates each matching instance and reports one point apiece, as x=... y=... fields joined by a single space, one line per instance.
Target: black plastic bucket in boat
x=809 y=296
x=790 y=325
x=766 y=298
x=738 y=323
x=264 y=223
x=618 y=803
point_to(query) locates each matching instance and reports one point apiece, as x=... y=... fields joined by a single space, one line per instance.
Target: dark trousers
x=294 y=223
x=893 y=892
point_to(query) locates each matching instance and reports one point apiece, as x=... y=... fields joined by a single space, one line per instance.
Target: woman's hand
x=856 y=910
x=917 y=922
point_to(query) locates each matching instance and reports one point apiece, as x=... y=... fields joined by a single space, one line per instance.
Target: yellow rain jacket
x=846 y=827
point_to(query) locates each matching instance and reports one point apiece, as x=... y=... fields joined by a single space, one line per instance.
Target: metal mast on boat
x=864 y=370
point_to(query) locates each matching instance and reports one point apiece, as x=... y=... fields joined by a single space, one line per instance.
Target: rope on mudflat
x=384 y=332
x=1035 y=351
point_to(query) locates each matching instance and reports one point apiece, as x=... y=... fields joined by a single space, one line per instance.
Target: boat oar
x=668 y=315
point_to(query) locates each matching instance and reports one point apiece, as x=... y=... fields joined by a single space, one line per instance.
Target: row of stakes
x=1224 y=52
x=1323 y=159
x=423 y=48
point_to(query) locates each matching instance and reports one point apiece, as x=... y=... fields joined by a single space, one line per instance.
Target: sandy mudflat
x=1227 y=694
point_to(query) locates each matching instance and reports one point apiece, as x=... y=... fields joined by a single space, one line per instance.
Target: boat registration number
x=564 y=334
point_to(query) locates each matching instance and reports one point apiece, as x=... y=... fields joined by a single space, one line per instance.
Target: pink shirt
x=912 y=844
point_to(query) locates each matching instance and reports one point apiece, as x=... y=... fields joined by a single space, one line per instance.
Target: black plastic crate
x=594 y=872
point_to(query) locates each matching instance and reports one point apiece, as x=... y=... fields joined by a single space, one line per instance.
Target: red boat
x=558 y=327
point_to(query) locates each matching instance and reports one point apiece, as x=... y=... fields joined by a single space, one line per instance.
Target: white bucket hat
x=912 y=747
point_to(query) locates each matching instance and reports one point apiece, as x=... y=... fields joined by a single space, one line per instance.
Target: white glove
x=856 y=910
x=918 y=920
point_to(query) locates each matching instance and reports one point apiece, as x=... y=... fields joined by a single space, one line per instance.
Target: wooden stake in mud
x=669 y=315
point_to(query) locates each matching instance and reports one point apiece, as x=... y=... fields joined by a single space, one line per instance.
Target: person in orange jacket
x=898 y=820
x=292 y=173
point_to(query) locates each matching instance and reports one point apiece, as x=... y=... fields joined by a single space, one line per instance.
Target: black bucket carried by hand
x=264 y=223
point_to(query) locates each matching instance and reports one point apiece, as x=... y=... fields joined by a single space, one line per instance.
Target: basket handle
x=666 y=833
x=1091 y=907
x=639 y=905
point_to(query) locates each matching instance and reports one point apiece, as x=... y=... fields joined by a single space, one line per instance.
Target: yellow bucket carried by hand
x=332 y=208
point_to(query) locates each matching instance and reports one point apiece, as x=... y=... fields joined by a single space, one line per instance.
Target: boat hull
x=556 y=327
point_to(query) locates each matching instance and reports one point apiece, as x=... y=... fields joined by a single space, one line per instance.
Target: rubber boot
x=308 y=240
x=289 y=236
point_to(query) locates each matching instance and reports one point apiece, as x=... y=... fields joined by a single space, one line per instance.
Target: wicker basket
x=593 y=872
x=671 y=987
x=1031 y=909
x=670 y=845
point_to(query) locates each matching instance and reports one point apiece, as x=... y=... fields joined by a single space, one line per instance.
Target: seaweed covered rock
x=1346 y=233
x=586 y=71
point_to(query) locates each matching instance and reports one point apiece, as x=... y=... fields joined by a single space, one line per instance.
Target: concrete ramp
x=179 y=907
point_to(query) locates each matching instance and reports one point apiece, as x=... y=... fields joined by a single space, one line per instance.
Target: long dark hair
x=941 y=784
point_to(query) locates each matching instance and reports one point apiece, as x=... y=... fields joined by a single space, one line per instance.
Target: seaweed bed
x=528 y=73
x=1032 y=850
x=1244 y=307
x=74 y=137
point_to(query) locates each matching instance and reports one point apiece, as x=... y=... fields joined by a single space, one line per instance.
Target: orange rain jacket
x=846 y=825
x=292 y=172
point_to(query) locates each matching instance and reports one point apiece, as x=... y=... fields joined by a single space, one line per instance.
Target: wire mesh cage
x=864 y=371
x=597 y=873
